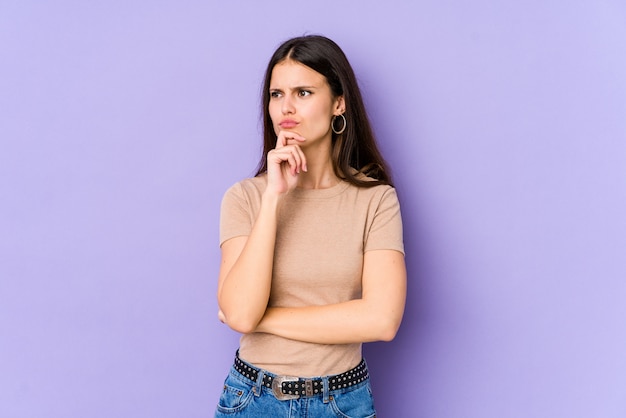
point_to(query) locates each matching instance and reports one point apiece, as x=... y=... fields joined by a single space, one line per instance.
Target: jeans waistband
x=293 y=387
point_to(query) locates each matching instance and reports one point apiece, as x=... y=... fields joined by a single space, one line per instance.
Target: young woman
x=312 y=251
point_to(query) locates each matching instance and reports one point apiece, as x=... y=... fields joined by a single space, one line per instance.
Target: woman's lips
x=288 y=124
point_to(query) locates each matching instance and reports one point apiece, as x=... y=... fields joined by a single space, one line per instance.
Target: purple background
x=123 y=122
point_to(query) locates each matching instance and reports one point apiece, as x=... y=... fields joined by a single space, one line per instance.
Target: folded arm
x=374 y=317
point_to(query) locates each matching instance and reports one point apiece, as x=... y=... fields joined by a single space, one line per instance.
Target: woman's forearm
x=342 y=323
x=376 y=316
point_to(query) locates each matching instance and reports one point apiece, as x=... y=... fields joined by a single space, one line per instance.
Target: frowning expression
x=301 y=101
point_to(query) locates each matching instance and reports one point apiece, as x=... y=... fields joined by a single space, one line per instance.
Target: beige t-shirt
x=321 y=237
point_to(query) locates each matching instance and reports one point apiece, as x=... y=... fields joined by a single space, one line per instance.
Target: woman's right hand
x=285 y=163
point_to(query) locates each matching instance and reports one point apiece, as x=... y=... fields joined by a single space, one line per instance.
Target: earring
x=332 y=124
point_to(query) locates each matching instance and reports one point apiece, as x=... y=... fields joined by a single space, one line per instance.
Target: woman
x=312 y=252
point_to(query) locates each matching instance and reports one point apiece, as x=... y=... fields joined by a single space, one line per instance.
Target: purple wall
x=123 y=122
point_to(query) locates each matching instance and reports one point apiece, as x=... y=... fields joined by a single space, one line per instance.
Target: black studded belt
x=291 y=387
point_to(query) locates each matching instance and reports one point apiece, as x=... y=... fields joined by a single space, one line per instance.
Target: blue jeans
x=245 y=398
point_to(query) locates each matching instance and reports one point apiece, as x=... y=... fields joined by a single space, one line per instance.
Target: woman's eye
x=304 y=93
x=274 y=94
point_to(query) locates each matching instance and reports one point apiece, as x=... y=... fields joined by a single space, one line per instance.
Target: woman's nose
x=287 y=105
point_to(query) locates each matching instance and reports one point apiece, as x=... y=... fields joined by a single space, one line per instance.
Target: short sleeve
x=385 y=230
x=235 y=214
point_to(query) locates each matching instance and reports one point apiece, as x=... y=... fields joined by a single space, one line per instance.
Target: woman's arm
x=245 y=275
x=374 y=317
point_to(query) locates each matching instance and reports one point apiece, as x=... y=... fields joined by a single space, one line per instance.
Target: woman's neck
x=320 y=173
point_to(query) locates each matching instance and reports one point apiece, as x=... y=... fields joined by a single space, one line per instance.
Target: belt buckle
x=277 y=387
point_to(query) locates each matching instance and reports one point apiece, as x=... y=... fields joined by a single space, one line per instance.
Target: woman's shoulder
x=245 y=193
x=371 y=189
x=373 y=196
x=251 y=185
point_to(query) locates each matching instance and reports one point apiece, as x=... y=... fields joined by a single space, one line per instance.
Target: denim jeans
x=244 y=398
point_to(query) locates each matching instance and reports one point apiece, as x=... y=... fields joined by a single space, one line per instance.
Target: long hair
x=356 y=147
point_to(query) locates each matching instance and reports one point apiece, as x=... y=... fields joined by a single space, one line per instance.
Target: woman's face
x=301 y=101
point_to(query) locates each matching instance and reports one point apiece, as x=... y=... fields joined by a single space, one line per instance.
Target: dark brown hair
x=356 y=147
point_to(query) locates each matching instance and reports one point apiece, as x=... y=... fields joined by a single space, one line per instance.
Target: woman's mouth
x=288 y=124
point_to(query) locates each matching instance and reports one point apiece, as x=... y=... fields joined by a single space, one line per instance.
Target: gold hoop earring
x=343 y=128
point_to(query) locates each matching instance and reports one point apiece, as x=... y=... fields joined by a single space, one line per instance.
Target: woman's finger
x=292 y=154
x=288 y=138
x=303 y=165
x=292 y=158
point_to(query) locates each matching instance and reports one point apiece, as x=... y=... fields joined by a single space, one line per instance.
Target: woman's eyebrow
x=303 y=87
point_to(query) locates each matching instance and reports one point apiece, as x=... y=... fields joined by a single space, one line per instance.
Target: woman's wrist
x=263 y=325
x=271 y=200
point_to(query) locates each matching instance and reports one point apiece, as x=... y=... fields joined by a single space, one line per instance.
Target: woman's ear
x=340 y=106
